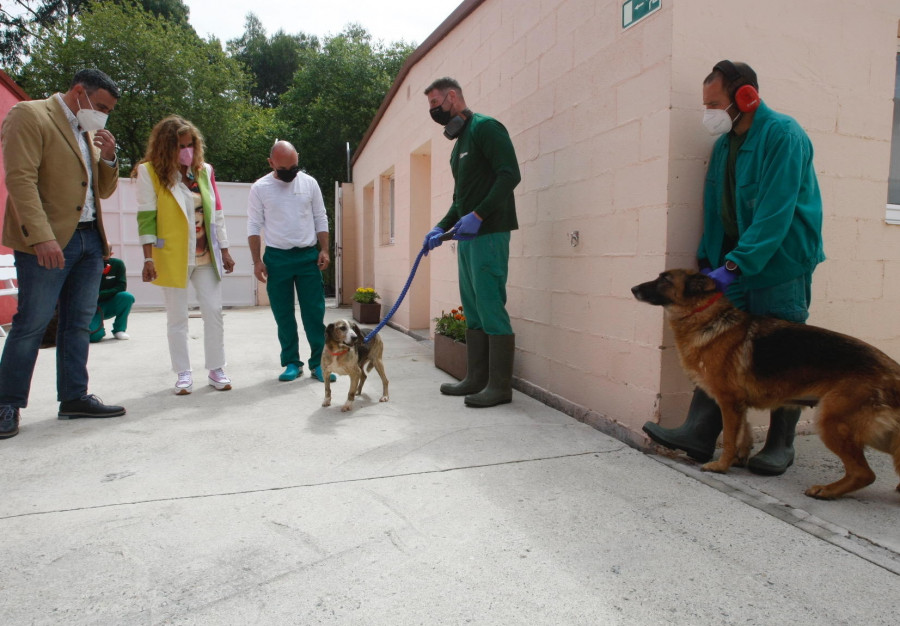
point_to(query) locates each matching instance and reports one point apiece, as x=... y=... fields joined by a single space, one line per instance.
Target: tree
x=334 y=97
x=271 y=60
x=161 y=69
x=29 y=22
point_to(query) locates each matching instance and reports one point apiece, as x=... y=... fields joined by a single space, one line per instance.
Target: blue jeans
x=75 y=287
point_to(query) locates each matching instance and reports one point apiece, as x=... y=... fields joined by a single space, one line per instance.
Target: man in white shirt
x=287 y=204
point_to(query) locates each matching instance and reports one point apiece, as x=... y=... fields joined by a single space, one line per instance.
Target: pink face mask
x=186 y=156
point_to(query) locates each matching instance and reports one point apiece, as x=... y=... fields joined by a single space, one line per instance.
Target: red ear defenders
x=744 y=95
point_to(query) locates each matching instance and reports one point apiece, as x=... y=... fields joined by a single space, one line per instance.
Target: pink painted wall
x=10 y=94
x=606 y=125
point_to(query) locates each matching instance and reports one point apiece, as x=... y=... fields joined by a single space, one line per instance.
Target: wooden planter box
x=450 y=356
x=367 y=313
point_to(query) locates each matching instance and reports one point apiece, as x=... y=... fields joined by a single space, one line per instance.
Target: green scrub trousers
x=289 y=272
x=483 y=269
x=119 y=306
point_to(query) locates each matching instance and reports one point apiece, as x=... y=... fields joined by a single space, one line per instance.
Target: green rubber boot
x=698 y=435
x=477 y=366
x=499 y=387
x=778 y=453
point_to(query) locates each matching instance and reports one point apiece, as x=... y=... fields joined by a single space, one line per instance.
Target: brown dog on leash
x=346 y=353
x=748 y=361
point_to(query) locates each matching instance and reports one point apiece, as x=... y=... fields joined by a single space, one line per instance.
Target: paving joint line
x=306 y=485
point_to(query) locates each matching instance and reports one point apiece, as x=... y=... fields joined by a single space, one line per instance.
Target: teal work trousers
x=483 y=270
x=119 y=306
x=291 y=272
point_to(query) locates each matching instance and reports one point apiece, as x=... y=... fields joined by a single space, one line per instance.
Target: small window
x=386 y=209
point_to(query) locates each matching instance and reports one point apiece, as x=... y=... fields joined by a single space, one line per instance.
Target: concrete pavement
x=258 y=506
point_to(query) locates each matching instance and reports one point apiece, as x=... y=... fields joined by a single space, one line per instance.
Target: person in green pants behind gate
x=113 y=302
x=287 y=204
x=762 y=232
x=485 y=172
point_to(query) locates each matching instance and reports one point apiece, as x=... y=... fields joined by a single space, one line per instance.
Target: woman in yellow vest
x=181 y=226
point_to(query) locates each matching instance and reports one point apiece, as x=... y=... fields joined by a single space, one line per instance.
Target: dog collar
x=340 y=353
x=708 y=303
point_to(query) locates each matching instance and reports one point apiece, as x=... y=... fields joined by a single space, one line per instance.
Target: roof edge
x=8 y=81
x=460 y=13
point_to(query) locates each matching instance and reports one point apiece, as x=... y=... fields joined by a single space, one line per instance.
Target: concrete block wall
x=606 y=124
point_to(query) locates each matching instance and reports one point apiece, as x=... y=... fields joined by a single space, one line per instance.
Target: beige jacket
x=46 y=177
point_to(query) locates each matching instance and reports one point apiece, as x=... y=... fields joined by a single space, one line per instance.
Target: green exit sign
x=633 y=11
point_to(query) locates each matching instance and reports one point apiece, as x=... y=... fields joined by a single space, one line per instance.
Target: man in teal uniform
x=762 y=239
x=485 y=170
x=113 y=302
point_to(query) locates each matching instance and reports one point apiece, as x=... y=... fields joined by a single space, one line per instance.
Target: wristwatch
x=731 y=266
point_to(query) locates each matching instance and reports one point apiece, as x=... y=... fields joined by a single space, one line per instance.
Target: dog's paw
x=820 y=492
x=715 y=466
x=327 y=402
x=385 y=399
x=347 y=407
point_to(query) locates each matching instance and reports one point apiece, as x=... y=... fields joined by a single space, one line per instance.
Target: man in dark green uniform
x=485 y=170
x=113 y=302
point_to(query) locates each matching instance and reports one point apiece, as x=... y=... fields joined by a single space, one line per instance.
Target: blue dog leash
x=448 y=235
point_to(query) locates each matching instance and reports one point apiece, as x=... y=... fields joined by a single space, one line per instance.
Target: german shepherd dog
x=748 y=361
x=346 y=353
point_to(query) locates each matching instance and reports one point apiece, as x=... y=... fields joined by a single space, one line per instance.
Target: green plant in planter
x=365 y=295
x=452 y=325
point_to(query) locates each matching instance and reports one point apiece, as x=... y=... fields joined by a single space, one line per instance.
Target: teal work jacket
x=777 y=201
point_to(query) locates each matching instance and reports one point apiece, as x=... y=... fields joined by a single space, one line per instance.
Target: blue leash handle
x=412 y=274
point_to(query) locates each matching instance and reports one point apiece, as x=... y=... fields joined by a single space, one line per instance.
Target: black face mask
x=439 y=115
x=287 y=175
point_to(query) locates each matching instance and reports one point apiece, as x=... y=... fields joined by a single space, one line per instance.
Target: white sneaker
x=185 y=384
x=219 y=380
x=121 y=335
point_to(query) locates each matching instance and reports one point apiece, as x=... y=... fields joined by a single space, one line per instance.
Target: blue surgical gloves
x=467 y=227
x=433 y=239
x=723 y=277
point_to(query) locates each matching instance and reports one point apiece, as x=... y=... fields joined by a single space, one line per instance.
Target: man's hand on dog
x=723 y=277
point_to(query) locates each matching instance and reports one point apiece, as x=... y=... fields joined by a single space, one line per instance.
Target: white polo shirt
x=290 y=213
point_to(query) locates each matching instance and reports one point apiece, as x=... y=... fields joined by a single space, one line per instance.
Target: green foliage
x=161 y=69
x=272 y=61
x=24 y=24
x=452 y=324
x=334 y=96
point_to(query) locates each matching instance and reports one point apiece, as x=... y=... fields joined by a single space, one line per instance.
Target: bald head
x=283 y=156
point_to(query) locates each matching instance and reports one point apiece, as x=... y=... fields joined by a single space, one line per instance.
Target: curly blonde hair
x=162 y=148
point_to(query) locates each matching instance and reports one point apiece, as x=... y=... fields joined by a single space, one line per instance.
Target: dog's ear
x=329 y=330
x=356 y=329
x=699 y=285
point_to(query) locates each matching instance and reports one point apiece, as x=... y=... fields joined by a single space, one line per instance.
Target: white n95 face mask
x=717 y=121
x=90 y=120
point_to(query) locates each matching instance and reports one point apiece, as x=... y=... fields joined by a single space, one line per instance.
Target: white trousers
x=208 y=288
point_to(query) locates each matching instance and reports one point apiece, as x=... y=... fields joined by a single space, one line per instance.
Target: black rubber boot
x=499 y=387
x=778 y=453
x=477 y=366
x=697 y=436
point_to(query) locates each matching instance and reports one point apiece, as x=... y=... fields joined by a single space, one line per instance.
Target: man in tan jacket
x=59 y=161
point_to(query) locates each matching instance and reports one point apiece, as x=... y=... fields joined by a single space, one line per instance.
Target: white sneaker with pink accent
x=218 y=380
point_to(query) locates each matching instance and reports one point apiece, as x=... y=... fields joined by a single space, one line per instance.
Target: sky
x=388 y=20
